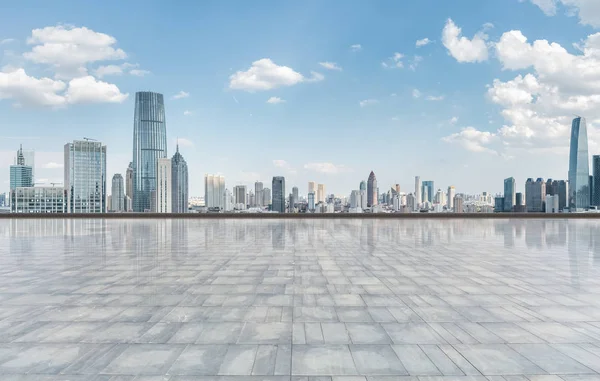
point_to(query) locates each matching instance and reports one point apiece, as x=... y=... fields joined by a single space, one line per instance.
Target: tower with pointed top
x=179 y=188
x=21 y=174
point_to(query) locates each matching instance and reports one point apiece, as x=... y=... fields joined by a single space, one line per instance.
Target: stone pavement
x=302 y=300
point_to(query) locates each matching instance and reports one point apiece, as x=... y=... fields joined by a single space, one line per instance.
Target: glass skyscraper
x=509 y=194
x=21 y=174
x=149 y=145
x=427 y=189
x=278 y=203
x=179 y=189
x=85 y=176
x=118 y=193
x=579 y=167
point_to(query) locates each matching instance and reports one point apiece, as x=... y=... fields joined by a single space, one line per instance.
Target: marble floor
x=301 y=300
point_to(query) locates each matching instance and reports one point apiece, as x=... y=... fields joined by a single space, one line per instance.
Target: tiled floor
x=301 y=300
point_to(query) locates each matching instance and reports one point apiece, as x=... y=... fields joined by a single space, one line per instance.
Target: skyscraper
x=179 y=188
x=278 y=186
x=85 y=176
x=240 y=196
x=149 y=145
x=363 y=185
x=129 y=184
x=266 y=194
x=427 y=190
x=311 y=201
x=214 y=189
x=535 y=195
x=295 y=194
x=21 y=174
x=258 y=189
x=418 y=199
x=163 y=190
x=510 y=194
x=29 y=160
x=596 y=171
x=117 y=193
x=372 y=195
x=579 y=171
x=320 y=193
x=451 y=194
x=312 y=187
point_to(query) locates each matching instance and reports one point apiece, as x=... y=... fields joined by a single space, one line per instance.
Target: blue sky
x=488 y=95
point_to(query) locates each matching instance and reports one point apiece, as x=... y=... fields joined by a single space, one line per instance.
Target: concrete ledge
x=399 y=216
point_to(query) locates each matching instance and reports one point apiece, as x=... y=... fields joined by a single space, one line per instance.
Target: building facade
x=85 y=176
x=451 y=194
x=551 y=203
x=258 y=194
x=240 y=197
x=278 y=186
x=535 y=195
x=149 y=145
x=459 y=204
x=21 y=174
x=38 y=200
x=117 y=203
x=510 y=194
x=163 y=191
x=311 y=201
x=320 y=193
x=427 y=190
x=266 y=194
x=180 y=185
x=579 y=172
x=214 y=189
x=372 y=195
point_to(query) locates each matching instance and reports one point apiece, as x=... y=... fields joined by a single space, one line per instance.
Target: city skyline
x=486 y=109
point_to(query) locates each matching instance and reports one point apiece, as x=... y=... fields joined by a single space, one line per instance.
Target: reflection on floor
x=302 y=300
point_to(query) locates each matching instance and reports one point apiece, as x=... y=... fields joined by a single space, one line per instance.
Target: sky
x=464 y=93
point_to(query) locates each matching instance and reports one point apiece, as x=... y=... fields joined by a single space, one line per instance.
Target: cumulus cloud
x=462 y=48
x=264 y=74
x=275 y=100
x=25 y=90
x=394 y=62
x=7 y=41
x=423 y=42
x=181 y=94
x=139 y=72
x=547 y=6
x=472 y=139
x=587 y=10
x=89 y=90
x=355 y=47
x=367 y=102
x=330 y=65
x=104 y=71
x=327 y=168
x=454 y=120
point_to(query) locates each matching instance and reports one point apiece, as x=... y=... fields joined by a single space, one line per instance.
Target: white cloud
x=472 y=139
x=7 y=41
x=330 y=65
x=25 y=90
x=139 y=72
x=367 y=102
x=275 y=100
x=285 y=166
x=52 y=165
x=264 y=74
x=180 y=95
x=416 y=93
x=462 y=48
x=415 y=62
x=69 y=49
x=423 y=42
x=435 y=98
x=327 y=168
x=183 y=142
x=547 y=6
x=103 y=71
x=187 y=113
x=394 y=62
x=587 y=10
x=89 y=90
x=454 y=120
x=355 y=47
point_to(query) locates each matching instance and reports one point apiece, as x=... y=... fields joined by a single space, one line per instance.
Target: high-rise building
x=363 y=185
x=38 y=200
x=311 y=201
x=320 y=192
x=117 y=194
x=258 y=189
x=149 y=145
x=579 y=171
x=85 y=176
x=240 y=197
x=591 y=188
x=510 y=192
x=397 y=189
x=295 y=195
x=411 y=202
x=312 y=187
x=596 y=174
x=451 y=194
x=164 y=182
x=21 y=174
x=214 y=189
x=418 y=199
x=278 y=202
x=129 y=187
x=535 y=195
x=266 y=193
x=459 y=206
x=227 y=201
x=551 y=202
x=355 y=199
x=28 y=156
x=372 y=195
x=427 y=191
x=179 y=187
x=519 y=199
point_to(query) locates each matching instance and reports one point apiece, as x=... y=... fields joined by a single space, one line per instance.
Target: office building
x=458 y=204
x=149 y=145
x=312 y=187
x=258 y=189
x=311 y=201
x=295 y=195
x=372 y=195
x=239 y=196
x=440 y=197
x=417 y=195
x=278 y=202
x=179 y=185
x=227 y=201
x=355 y=199
x=451 y=194
x=535 y=195
x=411 y=202
x=117 y=203
x=519 y=198
x=427 y=191
x=320 y=192
x=38 y=200
x=129 y=187
x=163 y=190
x=21 y=174
x=551 y=203
x=499 y=204
x=510 y=194
x=266 y=195
x=214 y=188
x=596 y=175
x=85 y=176
x=579 y=172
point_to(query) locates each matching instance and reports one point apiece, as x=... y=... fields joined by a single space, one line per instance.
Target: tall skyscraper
x=278 y=186
x=214 y=189
x=240 y=196
x=579 y=171
x=596 y=171
x=372 y=195
x=266 y=193
x=29 y=160
x=451 y=194
x=117 y=193
x=418 y=198
x=320 y=192
x=355 y=199
x=535 y=195
x=149 y=145
x=258 y=192
x=295 y=194
x=312 y=187
x=510 y=194
x=164 y=182
x=21 y=174
x=129 y=184
x=311 y=201
x=85 y=176
x=427 y=190
x=180 y=187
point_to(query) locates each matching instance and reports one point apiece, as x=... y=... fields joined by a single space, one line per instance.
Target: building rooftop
x=302 y=300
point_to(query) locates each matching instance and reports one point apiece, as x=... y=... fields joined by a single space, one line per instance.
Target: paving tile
x=497 y=359
x=376 y=360
x=322 y=360
x=144 y=359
